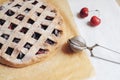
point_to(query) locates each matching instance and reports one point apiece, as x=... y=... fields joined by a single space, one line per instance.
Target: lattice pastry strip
x=29 y=32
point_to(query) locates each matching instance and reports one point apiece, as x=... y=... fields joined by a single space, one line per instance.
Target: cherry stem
x=94 y=10
x=98 y=12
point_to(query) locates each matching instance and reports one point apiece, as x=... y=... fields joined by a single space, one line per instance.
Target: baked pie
x=30 y=30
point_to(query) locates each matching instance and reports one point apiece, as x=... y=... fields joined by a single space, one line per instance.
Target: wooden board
x=63 y=65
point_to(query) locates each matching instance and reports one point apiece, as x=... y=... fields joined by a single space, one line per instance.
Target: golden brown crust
x=39 y=34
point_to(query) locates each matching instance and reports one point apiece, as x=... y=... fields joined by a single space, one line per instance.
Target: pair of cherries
x=94 y=21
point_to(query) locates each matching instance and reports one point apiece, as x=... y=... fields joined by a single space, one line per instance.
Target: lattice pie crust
x=30 y=30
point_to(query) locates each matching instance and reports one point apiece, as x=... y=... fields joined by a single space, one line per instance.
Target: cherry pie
x=30 y=30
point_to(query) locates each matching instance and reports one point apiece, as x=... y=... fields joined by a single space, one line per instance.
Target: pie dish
x=29 y=31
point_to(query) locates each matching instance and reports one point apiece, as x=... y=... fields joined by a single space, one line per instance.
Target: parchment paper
x=62 y=66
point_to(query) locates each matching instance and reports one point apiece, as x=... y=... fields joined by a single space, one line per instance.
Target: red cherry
x=84 y=12
x=95 y=21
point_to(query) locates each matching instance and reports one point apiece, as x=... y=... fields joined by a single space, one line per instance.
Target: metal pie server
x=77 y=44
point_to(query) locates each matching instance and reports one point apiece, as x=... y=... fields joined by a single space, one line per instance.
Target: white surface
x=106 y=34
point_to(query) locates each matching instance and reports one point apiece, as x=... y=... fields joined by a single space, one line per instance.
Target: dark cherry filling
x=24 y=30
x=1 y=45
x=42 y=51
x=20 y=55
x=35 y=2
x=49 y=41
x=43 y=6
x=54 y=11
x=36 y=35
x=10 y=2
x=5 y=36
x=17 y=5
x=20 y=17
x=49 y=18
x=27 y=10
x=12 y=26
x=30 y=21
x=56 y=32
x=28 y=45
x=44 y=26
x=10 y=13
x=1 y=8
x=16 y=40
x=9 y=50
x=2 y=21
x=38 y=14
